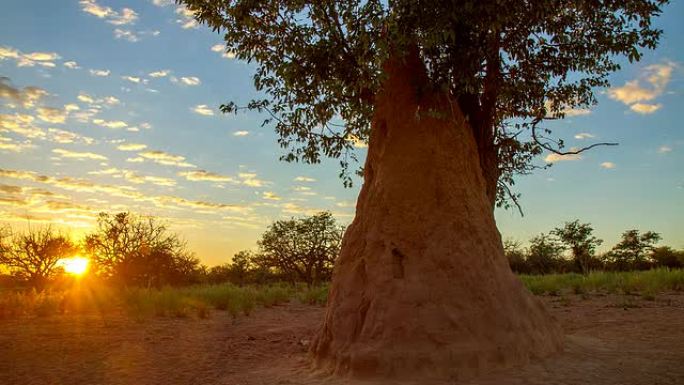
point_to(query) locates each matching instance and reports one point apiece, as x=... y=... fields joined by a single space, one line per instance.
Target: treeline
x=131 y=250
x=572 y=248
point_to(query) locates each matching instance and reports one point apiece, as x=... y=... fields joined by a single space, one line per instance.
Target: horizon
x=113 y=106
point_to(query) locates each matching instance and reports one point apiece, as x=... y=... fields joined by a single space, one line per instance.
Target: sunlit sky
x=113 y=106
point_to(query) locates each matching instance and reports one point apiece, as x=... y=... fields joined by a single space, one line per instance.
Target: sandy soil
x=609 y=340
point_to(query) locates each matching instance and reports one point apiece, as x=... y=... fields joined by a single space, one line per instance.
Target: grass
x=647 y=283
x=201 y=300
x=141 y=303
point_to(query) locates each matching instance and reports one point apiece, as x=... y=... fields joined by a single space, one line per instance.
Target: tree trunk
x=422 y=288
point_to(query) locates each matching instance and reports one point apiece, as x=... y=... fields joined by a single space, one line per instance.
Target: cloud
x=186 y=17
x=78 y=155
x=85 y=98
x=71 y=65
x=126 y=34
x=8 y=144
x=187 y=80
x=159 y=74
x=166 y=159
x=645 y=108
x=584 y=135
x=134 y=79
x=51 y=115
x=101 y=73
x=304 y=179
x=21 y=124
x=553 y=157
x=240 y=133
x=131 y=147
x=608 y=165
x=203 y=109
x=137 y=159
x=655 y=77
x=113 y=124
x=222 y=49
x=27 y=97
x=664 y=149
x=44 y=59
x=202 y=175
x=250 y=179
x=123 y=17
x=66 y=137
x=271 y=196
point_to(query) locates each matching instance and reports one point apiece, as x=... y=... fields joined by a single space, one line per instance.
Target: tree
x=443 y=93
x=665 y=256
x=516 y=256
x=33 y=256
x=545 y=255
x=631 y=251
x=579 y=239
x=135 y=250
x=304 y=249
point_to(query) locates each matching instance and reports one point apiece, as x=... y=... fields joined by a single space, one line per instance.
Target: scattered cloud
x=51 y=115
x=584 y=135
x=664 y=149
x=126 y=34
x=123 y=17
x=645 y=108
x=222 y=49
x=186 y=17
x=186 y=80
x=240 y=133
x=202 y=175
x=553 y=157
x=44 y=59
x=651 y=84
x=134 y=79
x=66 y=137
x=608 y=165
x=101 y=73
x=71 y=65
x=27 y=97
x=251 y=180
x=131 y=147
x=113 y=124
x=78 y=155
x=271 y=196
x=203 y=109
x=356 y=141
x=166 y=159
x=304 y=179
x=159 y=74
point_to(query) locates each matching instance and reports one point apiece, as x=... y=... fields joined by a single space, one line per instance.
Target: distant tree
x=33 y=256
x=516 y=256
x=136 y=250
x=632 y=251
x=305 y=249
x=545 y=255
x=665 y=256
x=579 y=239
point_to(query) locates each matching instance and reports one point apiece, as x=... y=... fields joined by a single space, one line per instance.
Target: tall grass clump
x=649 y=282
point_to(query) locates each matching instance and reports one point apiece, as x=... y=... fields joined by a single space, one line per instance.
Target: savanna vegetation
x=138 y=267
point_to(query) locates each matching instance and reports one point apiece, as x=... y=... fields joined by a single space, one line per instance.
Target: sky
x=113 y=106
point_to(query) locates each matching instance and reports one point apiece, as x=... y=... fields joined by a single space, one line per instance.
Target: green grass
x=201 y=300
x=648 y=283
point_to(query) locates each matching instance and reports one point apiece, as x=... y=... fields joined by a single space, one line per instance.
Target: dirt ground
x=609 y=340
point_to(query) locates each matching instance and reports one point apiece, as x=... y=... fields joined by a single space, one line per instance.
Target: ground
x=609 y=340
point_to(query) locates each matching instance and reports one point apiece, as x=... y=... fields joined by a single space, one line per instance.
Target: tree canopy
x=509 y=64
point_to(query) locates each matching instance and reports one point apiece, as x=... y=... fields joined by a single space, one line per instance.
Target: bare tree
x=33 y=255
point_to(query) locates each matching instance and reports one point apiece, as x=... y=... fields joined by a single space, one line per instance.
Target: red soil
x=609 y=340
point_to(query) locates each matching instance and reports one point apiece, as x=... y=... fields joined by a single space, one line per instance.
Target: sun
x=75 y=265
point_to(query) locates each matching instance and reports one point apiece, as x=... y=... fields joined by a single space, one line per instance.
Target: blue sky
x=113 y=105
